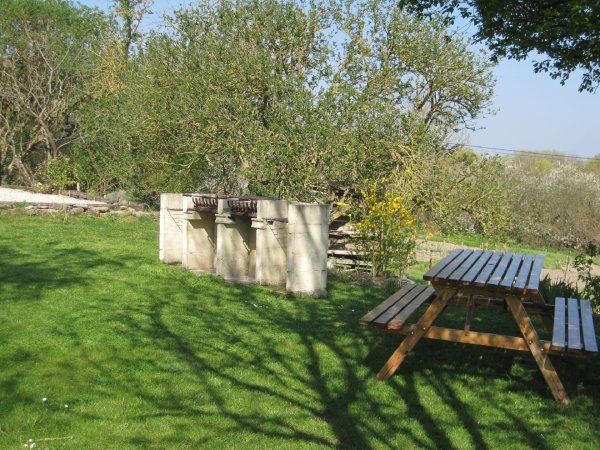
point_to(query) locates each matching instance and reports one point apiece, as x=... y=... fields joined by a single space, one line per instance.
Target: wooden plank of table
x=587 y=326
x=487 y=270
x=573 y=327
x=431 y=273
x=400 y=319
x=535 y=274
x=558 y=333
x=466 y=266
x=500 y=270
x=476 y=268
x=454 y=265
x=406 y=300
x=386 y=304
x=524 y=272
x=509 y=277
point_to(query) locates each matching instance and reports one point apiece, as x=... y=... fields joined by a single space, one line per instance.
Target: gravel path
x=21 y=196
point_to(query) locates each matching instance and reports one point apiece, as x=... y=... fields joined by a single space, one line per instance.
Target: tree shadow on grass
x=26 y=276
x=239 y=349
x=206 y=360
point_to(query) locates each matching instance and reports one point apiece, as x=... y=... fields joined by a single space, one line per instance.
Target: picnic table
x=501 y=280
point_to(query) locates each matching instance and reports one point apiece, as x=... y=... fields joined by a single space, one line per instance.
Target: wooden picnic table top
x=493 y=271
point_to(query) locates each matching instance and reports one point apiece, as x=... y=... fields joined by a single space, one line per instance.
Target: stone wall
x=89 y=209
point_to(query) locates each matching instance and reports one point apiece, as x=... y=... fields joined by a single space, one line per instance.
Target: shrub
x=386 y=233
x=57 y=173
x=583 y=264
x=552 y=289
x=558 y=207
x=465 y=193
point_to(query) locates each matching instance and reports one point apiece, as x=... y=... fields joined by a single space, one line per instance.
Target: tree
x=402 y=86
x=44 y=49
x=566 y=31
x=283 y=98
x=131 y=13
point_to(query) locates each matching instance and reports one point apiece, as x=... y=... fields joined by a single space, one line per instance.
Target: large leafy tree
x=284 y=98
x=45 y=49
x=565 y=32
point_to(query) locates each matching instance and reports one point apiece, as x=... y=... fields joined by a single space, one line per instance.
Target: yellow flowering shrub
x=385 y=226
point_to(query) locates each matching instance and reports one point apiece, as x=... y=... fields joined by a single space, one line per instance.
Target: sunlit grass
x=150 y=356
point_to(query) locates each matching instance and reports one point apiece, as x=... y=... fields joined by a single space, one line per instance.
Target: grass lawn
x=149 y=356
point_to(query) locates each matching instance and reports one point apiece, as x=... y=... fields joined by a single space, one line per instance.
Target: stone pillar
x=236 y=245
x=199 y=239
x=308 y=240
x=271 y=242
x=171 y=228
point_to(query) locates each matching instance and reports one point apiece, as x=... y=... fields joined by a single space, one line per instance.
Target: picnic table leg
x=537 y=350
x=421 y=327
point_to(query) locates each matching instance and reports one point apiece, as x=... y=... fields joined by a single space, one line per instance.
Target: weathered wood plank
x=523 y=275
x=587 y=325
x=487 y=270
x=573 y=325
x=466 y=266
x=509 y=277
x=481 y=338
x=386 y=304
x=558 y=333
x=476 y=268
x=431 y=273
x=453 y=266
x=500 y=270
x=400 y=319
x=477 y=338
x=402 y=303
x=535 y=274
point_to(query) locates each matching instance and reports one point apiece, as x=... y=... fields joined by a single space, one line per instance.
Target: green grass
x=150 y=356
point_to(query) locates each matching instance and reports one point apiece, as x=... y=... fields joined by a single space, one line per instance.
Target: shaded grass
x=150 y=356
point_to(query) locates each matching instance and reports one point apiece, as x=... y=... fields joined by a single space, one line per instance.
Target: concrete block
x=271 y=254
x=308 y=241
x=236 y=246
x=271 y=241
x=199 y=241
x=272 y=209
x=171 y=221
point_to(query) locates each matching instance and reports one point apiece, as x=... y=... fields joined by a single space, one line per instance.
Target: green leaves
x=280 y=98
x=565 y=33
x=45 y=52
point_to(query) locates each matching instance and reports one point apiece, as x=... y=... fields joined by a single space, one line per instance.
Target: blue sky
x=533 y=111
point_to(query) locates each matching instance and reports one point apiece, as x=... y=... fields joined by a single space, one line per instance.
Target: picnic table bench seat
x=573 y=326
x=393 y=313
